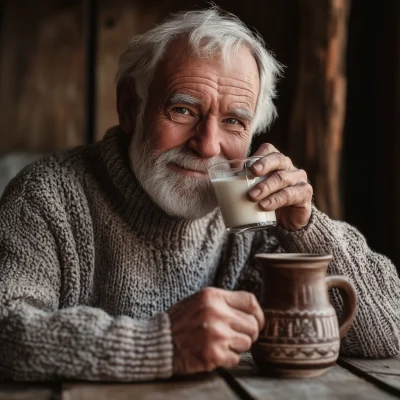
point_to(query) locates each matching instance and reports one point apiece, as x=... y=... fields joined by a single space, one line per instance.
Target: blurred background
x=338 y=104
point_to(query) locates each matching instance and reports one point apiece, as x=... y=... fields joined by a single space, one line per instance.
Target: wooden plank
x=199 y=387
x=41 y=75
x=337 y=383
x=118 y=22
x=383 y=372
x=23 y=391
x=388 y=366
x=393 y=381
x=319 y=108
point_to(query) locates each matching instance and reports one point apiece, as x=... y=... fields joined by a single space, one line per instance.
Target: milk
x=237 y=210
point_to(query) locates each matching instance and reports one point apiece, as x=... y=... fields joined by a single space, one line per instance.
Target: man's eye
x=233 y=121
x=181 y=110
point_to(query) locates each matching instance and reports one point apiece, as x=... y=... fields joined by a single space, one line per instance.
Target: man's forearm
x=376 y=329
x=81 y=343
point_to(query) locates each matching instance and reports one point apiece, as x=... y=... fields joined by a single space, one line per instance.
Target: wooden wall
x=41 y=75
x=43 y=66
x=46 y=68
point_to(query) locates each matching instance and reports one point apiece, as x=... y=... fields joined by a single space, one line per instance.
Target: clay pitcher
x=301 y=336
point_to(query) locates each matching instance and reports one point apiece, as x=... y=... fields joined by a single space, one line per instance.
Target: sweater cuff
x=145 y=349
x=313 y=238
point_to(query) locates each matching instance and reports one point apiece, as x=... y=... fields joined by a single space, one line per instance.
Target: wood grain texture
x=200 y=387
x=315 y=139
x=389 y=366
x=22 y=391
x=385 y=372
x=337 y=383
x=41 y=75
x=118 y=22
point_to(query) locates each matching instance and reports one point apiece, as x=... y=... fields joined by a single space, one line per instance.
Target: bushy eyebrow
x=241 y=113
x=183 y=98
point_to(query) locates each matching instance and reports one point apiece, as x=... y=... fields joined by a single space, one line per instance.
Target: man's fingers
x=247 y=303
x=271 y=162
x=211 y=327
x=275 y=182
x=264 y=149
x=240 y=343
x=245 y=323
x=298 y=195
x=231 y=359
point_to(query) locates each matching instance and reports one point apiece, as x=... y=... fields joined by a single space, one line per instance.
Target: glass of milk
x=231 y=181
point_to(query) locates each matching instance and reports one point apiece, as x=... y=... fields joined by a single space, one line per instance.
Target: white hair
x=209 y=32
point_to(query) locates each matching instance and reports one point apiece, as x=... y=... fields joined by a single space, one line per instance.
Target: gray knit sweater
x=89 y=266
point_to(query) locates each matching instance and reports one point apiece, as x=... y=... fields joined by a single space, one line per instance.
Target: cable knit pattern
x=89 y=265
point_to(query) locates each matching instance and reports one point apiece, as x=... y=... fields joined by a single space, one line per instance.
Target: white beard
x=177 y=194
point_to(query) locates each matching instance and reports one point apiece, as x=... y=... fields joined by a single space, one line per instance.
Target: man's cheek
x=233 y=149
x=168 y=136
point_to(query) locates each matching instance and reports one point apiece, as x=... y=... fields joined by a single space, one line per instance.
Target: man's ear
x=127 y=106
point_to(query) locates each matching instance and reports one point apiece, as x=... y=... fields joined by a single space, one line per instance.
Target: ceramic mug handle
x=349 y=299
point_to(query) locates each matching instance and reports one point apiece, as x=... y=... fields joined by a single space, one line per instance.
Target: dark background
x=371 y=157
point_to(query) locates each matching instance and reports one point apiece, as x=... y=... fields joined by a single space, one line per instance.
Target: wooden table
x=349 y=379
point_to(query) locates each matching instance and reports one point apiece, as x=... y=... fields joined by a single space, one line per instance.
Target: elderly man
x=114 y=260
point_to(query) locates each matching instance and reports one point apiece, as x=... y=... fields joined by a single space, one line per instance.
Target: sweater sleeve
x=375 y=331
x=40 y=341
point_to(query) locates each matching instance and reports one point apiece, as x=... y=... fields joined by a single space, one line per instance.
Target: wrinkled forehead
x=180 y=59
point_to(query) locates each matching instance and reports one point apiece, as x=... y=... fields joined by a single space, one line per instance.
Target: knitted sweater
x=89 y=265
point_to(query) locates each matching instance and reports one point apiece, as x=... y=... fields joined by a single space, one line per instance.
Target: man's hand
x=286 y=189
x=212 y=327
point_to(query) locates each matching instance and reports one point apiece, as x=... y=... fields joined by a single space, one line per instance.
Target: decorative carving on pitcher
x=297 y=326
x=319 y=352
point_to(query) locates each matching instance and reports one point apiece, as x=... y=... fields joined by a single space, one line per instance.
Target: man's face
x=199 y=113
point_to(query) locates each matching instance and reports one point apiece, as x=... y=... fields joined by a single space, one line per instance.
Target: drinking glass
x=231 y=181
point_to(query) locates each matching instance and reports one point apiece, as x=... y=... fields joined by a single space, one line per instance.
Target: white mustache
x=187 y=160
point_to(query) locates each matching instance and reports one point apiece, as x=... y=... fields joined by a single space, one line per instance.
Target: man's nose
x=206 y=139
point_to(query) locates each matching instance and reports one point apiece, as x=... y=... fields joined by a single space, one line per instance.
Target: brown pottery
x=301 y=336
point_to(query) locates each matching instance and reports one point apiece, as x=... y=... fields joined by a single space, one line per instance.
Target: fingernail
x=257 y=167
x=254 y=192
x=265 y=203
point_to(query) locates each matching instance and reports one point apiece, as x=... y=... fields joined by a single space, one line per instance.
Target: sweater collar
x=135 y=205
